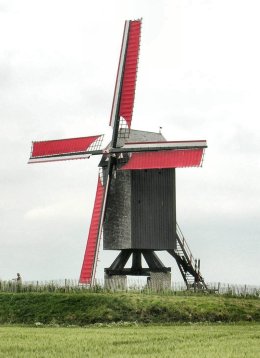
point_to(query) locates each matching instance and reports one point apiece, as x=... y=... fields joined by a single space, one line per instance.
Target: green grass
x=182 y=341
x=89 y=308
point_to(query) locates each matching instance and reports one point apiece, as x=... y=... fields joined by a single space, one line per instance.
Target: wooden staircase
x=189 y=267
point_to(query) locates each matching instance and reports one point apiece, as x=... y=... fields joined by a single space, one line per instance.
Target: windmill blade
x=163 y=154
x=88 y=270
x=124 y=93
x=65 y=149
x=91 y=252
x=181 y=158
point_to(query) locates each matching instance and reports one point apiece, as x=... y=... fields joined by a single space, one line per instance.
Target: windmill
x=135 y=204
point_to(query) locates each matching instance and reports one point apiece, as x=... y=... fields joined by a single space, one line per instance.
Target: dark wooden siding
x=117 y=223
x=153 y=209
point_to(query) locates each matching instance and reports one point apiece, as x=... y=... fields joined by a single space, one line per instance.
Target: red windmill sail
x=165 y=159
x=166 y=154
x=65 y=149
x=124 y=93
x=90 y=257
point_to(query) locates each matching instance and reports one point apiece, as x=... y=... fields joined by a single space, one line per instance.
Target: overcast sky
x=198 y=78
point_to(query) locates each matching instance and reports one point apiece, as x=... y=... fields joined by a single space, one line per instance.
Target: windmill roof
x=141 y=136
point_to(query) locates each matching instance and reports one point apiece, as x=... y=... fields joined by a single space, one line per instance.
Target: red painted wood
x=61 y=146
x=90 y=252
x=130 y=72
x=165 y=159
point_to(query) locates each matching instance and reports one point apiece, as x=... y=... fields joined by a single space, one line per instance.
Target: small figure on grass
x=18 y=282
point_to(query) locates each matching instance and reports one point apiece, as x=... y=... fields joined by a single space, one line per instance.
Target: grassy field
x=124 y=324
x=182 y=341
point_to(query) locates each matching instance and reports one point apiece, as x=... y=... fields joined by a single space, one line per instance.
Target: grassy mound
x=89 y=308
